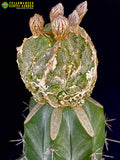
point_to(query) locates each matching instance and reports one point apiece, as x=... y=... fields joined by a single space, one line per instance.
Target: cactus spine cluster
x=58 y=65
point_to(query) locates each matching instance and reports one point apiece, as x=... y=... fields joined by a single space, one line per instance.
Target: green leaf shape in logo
x=5 y=5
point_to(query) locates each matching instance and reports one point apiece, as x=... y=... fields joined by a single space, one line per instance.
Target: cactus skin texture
x=58 y=65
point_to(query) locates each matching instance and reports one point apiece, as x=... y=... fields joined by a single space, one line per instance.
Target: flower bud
x=82 y=9
x=56 y=11
x=74 y=20
x=36 y=24
x=60 y=27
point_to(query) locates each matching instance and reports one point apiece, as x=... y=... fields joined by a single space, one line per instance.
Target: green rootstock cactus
x=58 y=65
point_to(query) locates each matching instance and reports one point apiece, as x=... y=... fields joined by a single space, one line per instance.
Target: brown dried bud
x=82 y=9
x=56 y=11
x=74 y=20
x=60 y=27
x=36 y=24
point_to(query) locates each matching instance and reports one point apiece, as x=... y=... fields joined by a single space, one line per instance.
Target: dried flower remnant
x=74 y=21
x=60 y=27
x=56 y=11
x=36 y=24
x=82 y=9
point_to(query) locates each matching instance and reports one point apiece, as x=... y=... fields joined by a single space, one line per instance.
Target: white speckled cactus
x=58 y=65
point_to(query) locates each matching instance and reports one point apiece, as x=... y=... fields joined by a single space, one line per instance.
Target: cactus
x=58 y=65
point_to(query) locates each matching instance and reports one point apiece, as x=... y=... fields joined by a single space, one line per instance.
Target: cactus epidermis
x=58 y=63
x=72 y=142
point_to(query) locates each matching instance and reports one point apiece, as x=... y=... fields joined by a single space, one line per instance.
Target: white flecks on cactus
x=56 y=11
x=90 y=74
x=19 y=49
x=76 y=71
x=51 y=65
x=82 y=9
x=36 y=24
x=60 y=79
x=60 y=27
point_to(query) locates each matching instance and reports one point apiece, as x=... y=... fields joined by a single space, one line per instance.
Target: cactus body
x=60 y=75
x=72 y=141
x=58 y=64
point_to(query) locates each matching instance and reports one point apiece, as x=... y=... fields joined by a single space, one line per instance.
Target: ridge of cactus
x=58 y=65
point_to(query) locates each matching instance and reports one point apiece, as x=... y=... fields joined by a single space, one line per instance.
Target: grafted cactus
x=58 y=65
